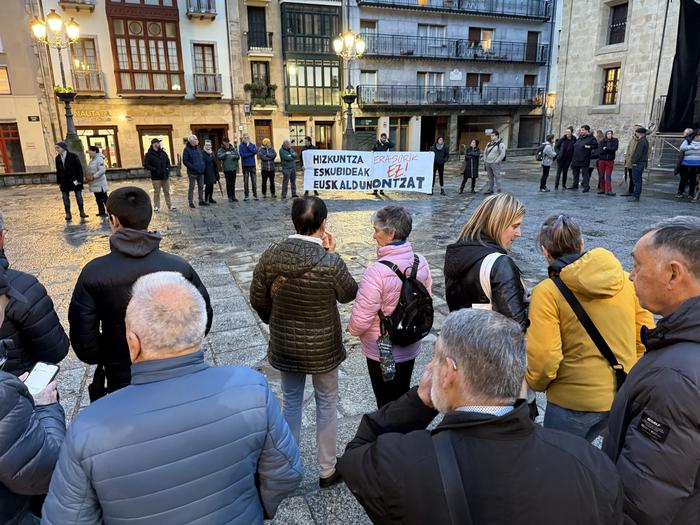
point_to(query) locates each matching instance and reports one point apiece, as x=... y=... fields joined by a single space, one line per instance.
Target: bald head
x=166 y=317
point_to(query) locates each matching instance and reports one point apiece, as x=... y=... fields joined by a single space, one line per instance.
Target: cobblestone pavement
x=224 y=242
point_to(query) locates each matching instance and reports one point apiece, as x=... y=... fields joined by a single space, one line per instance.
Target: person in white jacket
x=97 y=177
x=548 y=156
x=494 y=154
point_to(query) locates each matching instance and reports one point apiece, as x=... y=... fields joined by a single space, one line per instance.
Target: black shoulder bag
x=457 y=504
x=587 y=323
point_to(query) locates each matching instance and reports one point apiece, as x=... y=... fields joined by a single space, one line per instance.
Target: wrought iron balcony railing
x=379 y=46
x=258 y=42
x=207 y=83
x=308 y=45
x=89 y=82
x=532 y=9
x=201 y=9
x=368 y=96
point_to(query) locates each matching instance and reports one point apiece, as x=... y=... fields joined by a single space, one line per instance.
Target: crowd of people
x=168 y=438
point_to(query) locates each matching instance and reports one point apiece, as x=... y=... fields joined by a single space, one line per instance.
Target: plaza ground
x=224 y=241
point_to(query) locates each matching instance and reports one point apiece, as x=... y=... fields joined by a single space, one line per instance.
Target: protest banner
x=367 y=170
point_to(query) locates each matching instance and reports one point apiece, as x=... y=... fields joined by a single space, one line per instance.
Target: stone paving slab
x=224 y=242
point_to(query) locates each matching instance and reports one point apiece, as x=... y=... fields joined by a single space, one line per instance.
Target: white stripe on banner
x=367 y=170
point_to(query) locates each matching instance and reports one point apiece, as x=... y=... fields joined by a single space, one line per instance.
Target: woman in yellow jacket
x=562 y=358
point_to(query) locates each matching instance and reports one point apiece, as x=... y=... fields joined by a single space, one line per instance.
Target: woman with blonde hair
x=479 y=273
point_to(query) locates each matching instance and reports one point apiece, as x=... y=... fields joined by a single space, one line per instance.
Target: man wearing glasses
x=486 y=462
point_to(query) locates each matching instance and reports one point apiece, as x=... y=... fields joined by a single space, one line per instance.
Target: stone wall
x=584 y=54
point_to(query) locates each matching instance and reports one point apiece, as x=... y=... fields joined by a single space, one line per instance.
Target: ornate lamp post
x=57 y=34
x=349 y=46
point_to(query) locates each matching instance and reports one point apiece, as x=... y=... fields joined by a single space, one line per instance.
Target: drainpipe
x=549 y=67
x=658 y=64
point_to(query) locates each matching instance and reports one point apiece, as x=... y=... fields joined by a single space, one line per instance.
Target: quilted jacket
x=380 y=289
x=185 y=443
x=31 y=322
x=30 y=440
x=295 y=287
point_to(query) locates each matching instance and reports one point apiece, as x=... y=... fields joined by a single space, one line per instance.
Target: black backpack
x=412 y=319
x=539 y=156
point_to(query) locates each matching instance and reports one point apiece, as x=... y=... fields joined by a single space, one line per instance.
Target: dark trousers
x=585 y=173
x=289 y=178
x=208 y=192
x=545 y=174
x=562 y=172
x=466 y=176
x=637 y=171
x=66 y=200
x=387 y=391
x=630 y=179
x=249 y=175
x=101 y=200
x=268 y=175
x=230 y=184
x=689 y=177
x=440 y=168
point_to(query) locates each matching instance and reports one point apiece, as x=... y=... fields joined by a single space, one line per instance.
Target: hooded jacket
x=98 y=306
x=30 y=440
x=98 y=169
x=463 y=287
x=31 y=322
x=296 y=287
x=184 y=443
x=193 y=159
x=508 y=463
x=654 y=426
x=380 y=289
x=562 y=358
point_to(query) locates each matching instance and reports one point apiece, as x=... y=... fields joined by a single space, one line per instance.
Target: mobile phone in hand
x=40 y=376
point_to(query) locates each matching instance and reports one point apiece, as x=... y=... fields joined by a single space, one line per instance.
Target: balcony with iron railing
x=258 y=43
x=530 y=9
x=308 y=45
x=88 y=82
x=207 y=84
x=420 y=47
x=410 y=96
x=201 y=9
x=78 y=5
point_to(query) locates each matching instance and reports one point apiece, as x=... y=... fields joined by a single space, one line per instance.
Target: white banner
x=367 y=170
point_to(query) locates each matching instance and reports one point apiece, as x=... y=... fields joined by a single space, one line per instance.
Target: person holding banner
x=380 y=289
x=308 y=144
x=383 y=144
x=288 y=159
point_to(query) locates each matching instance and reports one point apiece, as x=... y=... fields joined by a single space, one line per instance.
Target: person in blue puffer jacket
x=248 y=151
x=184 y=442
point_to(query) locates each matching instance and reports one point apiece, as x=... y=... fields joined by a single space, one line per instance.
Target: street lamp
x=349 y=46
x=57 y=34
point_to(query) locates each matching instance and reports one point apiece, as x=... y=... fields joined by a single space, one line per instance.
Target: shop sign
x=100 y=114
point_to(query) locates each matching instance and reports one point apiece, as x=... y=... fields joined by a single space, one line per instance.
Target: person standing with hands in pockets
x=248 y=152
x=229 y=157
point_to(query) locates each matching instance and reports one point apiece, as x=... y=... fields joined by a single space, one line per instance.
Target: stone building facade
x=615 y=63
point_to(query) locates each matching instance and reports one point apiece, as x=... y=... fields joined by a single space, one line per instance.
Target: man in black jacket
x=69 y=177
x=98 y=306
x=511 y=470
x=31 y=433
x=581 y=160
x=157 y=162
x=640 y=157
x=308 y=144
x=383 y=144
x=654 y=425
x=30 y=320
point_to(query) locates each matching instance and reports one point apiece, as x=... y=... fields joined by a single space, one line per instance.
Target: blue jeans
x=326 y=394
x=637 y=171
x=587 y=425
x=66 y=200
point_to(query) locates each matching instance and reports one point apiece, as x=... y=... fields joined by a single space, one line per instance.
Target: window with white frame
x=368 y=78
x=85 y=65
x=206 y=78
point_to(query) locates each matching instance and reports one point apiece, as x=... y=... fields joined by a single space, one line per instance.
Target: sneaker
x=473 y=191
x=211 y=201
x=295 y=196
x=264 y=195
x=601 y=192
x=156 y=208
x=586 y=190
x=69 y=217
x=544 y=190
x=101 y=215
x=235 y=199
x=83 y=215
x=173 y=208
x=245 y=199
x=273 y=196
x=331 y=480
x=633 y=199
x=381 y=192
x=192 y=205
x=679 y=195
x=255 y=198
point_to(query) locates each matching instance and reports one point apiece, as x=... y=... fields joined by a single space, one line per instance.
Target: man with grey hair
x=193 y=159
x=654 y=425
x=486 y=460
x=185 y=442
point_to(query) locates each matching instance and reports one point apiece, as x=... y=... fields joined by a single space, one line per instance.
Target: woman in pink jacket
x=379 y=289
